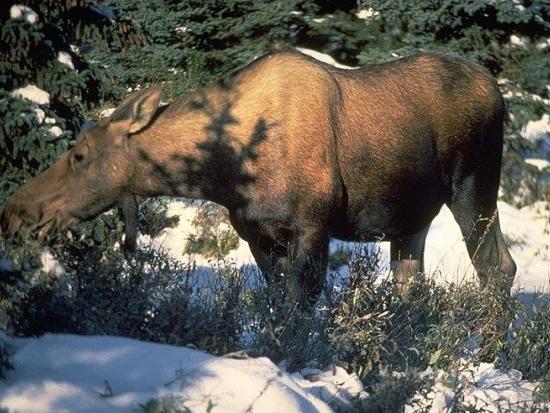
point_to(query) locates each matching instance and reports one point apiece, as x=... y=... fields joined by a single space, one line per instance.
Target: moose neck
x=189 y=150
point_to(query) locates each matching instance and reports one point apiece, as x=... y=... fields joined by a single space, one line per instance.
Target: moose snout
x=17 y=218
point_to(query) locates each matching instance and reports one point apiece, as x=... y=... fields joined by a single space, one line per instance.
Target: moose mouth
x=16 y=225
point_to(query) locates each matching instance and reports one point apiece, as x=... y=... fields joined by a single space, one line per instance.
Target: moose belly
x=395 y=211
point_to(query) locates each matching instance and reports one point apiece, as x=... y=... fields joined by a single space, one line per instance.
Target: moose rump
x=299 y=151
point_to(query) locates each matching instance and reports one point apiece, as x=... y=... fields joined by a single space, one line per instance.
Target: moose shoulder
x=299 y=151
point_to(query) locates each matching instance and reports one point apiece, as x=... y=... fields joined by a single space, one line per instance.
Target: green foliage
x=166 y=404
x=394 y=390
x=240 y=31
x=214 y=237
x=194 y=42
x=33 y=134
x=153 y=219
x=338 y=258
x=26 y=146
x=364 y=325
x=149 y=297
x=373 y=327
x=528 y=348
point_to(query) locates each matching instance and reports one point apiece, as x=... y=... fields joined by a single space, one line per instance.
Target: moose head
x=92 y=177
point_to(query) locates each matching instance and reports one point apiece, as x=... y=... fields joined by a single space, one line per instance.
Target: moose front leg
x=306 y=264
x=299 y=265
x=129 y=207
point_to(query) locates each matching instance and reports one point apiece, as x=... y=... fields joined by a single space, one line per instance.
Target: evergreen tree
x=46 y=89
x=195 y=42
x=46 y=86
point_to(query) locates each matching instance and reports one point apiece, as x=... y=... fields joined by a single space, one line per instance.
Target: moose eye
x=77 y=160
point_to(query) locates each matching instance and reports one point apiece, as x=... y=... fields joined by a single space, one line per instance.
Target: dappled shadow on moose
x=299 y=151
x=218 y=173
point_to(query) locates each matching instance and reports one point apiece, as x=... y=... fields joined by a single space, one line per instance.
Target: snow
x=39 y=115
x=65 y=58
x=518 y=41
x=50 y=264
x=104 y=11
x=484 y=387
x=32 y=93
x=540 y=164
x=174 y=240
x=56 y=131
x=539 y=132
x=19 y=11
x=518 y=5
x=446 y=255
x=107 y=112
x=67 y=373
x=335 y=386
x=365 y=14
x=323 y=57
x=527 y=229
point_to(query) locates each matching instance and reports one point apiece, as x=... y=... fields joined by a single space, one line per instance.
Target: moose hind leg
x=477 y=216
x=407 y=257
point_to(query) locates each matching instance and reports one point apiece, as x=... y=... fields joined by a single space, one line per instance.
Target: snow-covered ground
x=483 y=388
x=77 y=374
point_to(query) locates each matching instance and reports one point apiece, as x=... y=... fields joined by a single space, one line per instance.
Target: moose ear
x=136 y=111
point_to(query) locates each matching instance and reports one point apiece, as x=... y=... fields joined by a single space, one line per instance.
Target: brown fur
x=299 y=151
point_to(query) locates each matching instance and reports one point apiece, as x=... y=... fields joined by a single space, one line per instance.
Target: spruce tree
x=47 y=88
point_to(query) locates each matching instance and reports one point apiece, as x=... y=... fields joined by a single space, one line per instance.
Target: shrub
x=528 y=346
x=214 y=236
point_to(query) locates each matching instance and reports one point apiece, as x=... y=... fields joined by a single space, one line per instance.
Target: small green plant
x=338 y=258
x=214 y=237
x=528 y=346
x=395 y=389
x=153 y=219
x=165 y=404
x=542 y=393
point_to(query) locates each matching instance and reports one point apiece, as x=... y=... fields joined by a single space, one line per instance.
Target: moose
x=299 y=151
